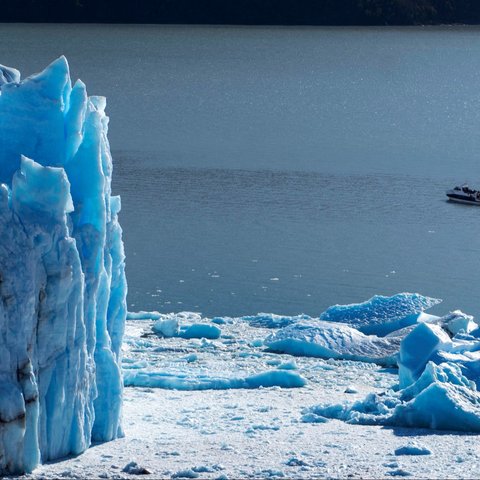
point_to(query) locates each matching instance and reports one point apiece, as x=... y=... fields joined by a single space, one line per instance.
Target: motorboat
x=464 y=194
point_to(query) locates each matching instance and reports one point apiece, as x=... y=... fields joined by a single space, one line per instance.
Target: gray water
x=283 y=169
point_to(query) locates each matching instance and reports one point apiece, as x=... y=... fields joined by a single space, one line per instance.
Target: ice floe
x=200 y=330
x=172 y=325
x=271 y=320
x=272 y=378
x=438 y=359
x=333 y=340
x=437 y=386
x=381 y=315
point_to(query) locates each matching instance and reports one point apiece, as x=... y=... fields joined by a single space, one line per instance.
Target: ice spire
x=62 y=278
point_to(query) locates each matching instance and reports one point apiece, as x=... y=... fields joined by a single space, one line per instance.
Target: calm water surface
x=283 y=169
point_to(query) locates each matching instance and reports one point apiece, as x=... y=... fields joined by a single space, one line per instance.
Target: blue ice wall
x=62 y=271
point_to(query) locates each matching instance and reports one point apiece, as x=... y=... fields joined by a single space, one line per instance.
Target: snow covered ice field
x=255 y=432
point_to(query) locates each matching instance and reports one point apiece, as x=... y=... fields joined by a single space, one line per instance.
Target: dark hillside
x=245 y=12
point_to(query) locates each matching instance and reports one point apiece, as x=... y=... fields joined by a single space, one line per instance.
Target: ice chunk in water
x=417 y=348
x=333 y=340
x=381 y=315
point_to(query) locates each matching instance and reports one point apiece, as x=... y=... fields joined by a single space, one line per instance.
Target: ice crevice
x=62 y=279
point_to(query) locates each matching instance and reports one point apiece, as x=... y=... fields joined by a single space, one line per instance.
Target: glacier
x=62 y=271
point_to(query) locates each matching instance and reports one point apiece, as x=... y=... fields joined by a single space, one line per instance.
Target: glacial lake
x=283 y=169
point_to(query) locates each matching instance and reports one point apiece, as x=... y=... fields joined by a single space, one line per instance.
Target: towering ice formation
x=62 y=280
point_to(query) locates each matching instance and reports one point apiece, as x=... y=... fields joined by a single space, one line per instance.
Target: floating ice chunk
x=412 y=449
x=421 y=318
x=417 y=348
x=167 y=327
x=171 y=325
x=381 y=315
x=279 y=378
x=219 y=320
x=271 y=320
x=200 y=330
x=290 y=365
x=333 y=340
x=273 y=378
x=458 y=322
x=468 y=361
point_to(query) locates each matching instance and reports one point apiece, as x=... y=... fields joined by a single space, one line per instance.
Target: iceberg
x=167 y=327
x=458 y=322
x=333 y=340
x=170 y=325
x=381 y=315
x=441 y=399
x=439 y=377
x=416 y=350
x=443 y=342
x=62 y=271
x=200 y=330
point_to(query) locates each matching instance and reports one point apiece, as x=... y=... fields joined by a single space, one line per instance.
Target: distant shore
x=245 y=12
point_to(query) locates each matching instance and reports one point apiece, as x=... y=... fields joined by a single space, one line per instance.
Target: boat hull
x=462 y=199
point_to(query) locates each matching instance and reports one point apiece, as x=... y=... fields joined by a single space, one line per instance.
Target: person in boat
x=468 y=191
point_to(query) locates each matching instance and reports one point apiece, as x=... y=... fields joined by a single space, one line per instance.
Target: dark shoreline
x=245 y=12
x=246 y=25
